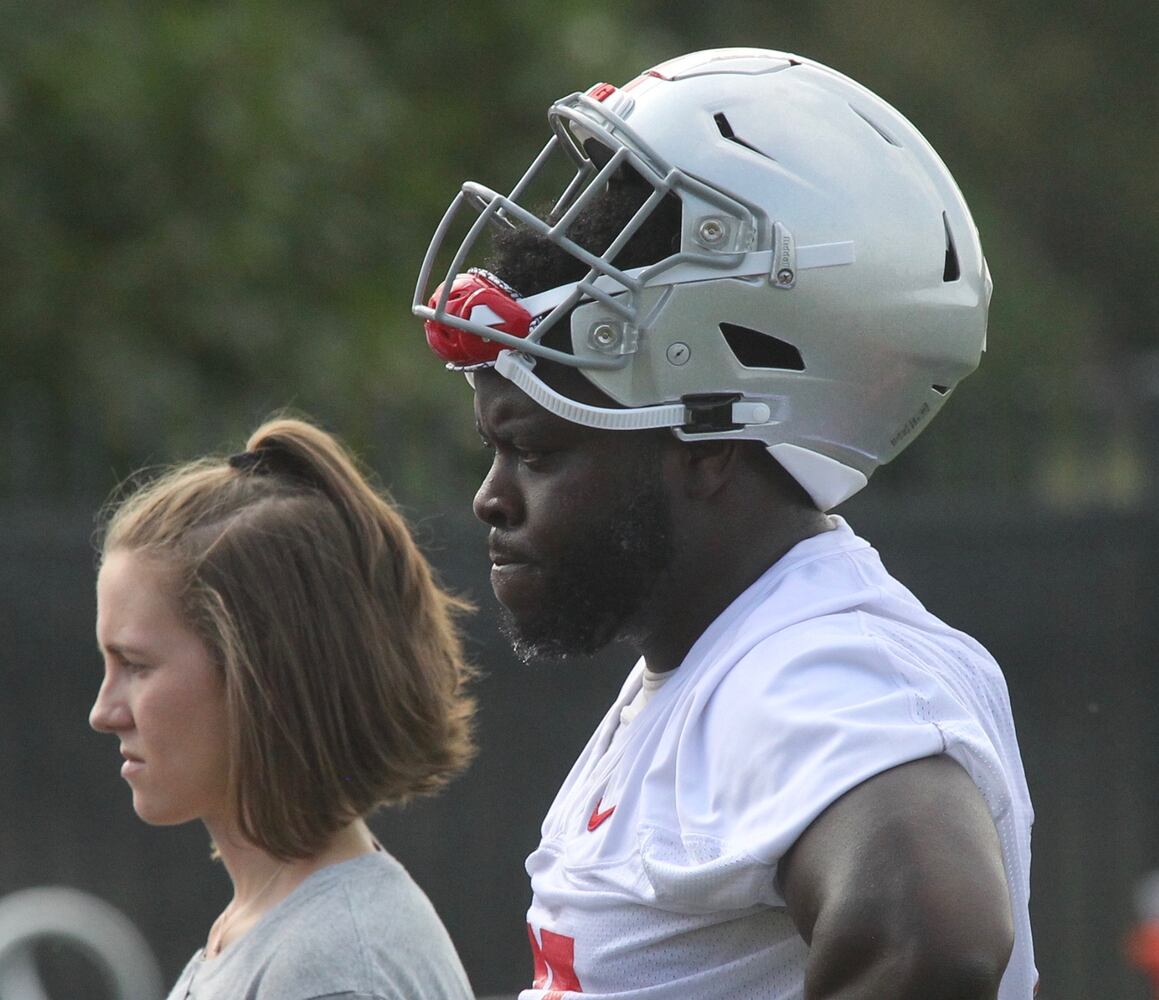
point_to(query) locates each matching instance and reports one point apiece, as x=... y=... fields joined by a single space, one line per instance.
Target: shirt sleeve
x=797 y=722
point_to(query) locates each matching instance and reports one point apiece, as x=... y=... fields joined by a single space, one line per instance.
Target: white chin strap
x=518 y=369
x=827 y=481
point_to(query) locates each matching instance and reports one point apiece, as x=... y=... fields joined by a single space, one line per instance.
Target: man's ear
x=706 y=467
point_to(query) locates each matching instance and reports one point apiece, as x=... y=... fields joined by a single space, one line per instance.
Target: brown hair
x=343 y=668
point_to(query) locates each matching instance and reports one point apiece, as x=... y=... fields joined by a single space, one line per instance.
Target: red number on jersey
x=554 y=963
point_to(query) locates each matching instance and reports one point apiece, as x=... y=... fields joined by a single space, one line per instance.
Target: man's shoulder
x=823 y=576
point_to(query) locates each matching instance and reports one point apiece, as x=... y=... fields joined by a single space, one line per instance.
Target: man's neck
x=712 y=573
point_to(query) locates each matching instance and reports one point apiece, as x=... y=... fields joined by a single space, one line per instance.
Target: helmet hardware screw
x=678 y=354
x=604 y=336
x=712 y=232
x=785 y=276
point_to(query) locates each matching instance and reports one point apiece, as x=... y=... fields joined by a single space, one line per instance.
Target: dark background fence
x=1067 y=603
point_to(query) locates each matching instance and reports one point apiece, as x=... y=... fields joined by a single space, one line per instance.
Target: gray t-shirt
x=357 y=930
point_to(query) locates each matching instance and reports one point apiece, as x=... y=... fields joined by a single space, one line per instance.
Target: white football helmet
x=828 y=294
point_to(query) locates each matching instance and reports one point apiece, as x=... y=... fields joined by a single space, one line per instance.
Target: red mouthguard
x=469 y=293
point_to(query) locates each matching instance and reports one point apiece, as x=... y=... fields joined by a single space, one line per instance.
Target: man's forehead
x=502 y=408
x=500 y=401
x=564 y=379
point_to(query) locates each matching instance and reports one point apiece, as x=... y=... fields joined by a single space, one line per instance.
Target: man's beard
x=602 y=582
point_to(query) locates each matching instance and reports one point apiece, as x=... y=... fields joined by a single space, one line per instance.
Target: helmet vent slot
x=952 y=270
x=941 y=390
x=725 y=130
x=754 y=349
x=876 y=128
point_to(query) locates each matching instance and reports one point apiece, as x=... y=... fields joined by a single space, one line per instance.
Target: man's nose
x=497 y=501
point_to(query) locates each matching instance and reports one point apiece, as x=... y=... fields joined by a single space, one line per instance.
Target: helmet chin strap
x=518 y=369
x=826 y=480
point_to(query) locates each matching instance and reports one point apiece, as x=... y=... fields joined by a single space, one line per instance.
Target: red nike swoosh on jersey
x=598 y=817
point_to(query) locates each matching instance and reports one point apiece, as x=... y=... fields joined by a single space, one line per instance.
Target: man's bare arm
x=899 y=890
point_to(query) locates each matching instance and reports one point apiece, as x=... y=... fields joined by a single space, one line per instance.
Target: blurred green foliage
x=212 y=211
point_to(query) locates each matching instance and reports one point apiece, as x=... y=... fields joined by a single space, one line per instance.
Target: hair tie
x=247 y=461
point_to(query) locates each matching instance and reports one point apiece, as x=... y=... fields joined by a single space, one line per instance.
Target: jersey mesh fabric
x=822 y=674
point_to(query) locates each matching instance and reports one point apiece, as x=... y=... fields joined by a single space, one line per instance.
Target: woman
x=278 y=663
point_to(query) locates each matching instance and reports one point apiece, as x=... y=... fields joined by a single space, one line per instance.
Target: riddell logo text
x=910 y=425
x=786 y=256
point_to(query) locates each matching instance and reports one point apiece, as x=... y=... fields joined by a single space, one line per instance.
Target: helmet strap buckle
x=710 y=412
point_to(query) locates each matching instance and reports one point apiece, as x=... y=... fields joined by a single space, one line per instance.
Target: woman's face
x=162 y=696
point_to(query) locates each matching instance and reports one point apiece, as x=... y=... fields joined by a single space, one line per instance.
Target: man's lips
x=507 y=568
x=502 y=561
x=503 y=556
x=513 y=575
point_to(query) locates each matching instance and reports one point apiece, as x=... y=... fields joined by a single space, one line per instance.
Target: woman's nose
x=109 y=713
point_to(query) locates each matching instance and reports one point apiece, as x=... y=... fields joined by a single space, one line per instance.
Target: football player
x=756 y=284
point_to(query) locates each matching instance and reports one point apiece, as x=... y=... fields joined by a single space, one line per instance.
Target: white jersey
x=656 y=875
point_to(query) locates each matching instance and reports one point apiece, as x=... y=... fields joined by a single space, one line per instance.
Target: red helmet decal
x=601 y=91
x=469 y=293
